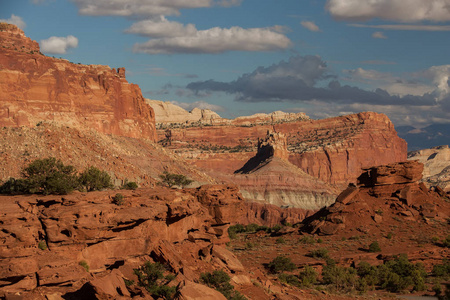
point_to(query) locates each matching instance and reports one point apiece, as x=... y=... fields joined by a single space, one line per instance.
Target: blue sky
x=239 y=57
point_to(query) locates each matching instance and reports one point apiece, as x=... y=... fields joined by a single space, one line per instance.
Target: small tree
x=94 y=179
x=50 y=176
x=220 y=281
x=171 y=180
x=151 y=276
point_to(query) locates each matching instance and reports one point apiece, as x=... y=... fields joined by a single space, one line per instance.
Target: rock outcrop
x=35 y=88
x=436 y=161
x=386 y=194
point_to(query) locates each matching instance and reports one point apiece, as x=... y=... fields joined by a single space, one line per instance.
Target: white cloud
x=310 y=26
x=379 y=35
x=394 y=10
x=218 y=40
x=58 y=45
x=161 y=28
x=130 y=8
x=405 y=27
x=16 y=20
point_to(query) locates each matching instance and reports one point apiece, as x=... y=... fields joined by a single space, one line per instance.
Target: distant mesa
x=168 y=113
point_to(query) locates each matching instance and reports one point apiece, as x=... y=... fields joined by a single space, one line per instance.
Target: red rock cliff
x=34 y=87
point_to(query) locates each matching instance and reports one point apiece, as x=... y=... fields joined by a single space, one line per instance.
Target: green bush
x=308 y=276
x=319 y=253
x=129 y=185
x=233 y=230
x=84 y=264
x=171 y=180
x=42 y=245
x=280 y=240
x=281 y=263
x=374 y=247
x=151 y=277
x=442 y=270
x=446 y=242
x=118 y=199
x=94 y=179
x=341 y=278
x=290 y=279
x=307 y=240
x=220 y=281
x=43 y=176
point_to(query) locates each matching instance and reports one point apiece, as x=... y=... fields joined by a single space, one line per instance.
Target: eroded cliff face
x=35 y=88
x=333 y=150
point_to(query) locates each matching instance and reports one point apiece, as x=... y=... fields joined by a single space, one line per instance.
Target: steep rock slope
x=34 y=88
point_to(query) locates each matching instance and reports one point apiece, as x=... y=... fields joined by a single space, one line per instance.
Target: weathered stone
x=188 y=290
x=111 y=285
x=347 y=195
x=230 y=260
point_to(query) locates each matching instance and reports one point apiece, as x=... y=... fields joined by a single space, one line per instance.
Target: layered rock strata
x=35 y=88
x=333 y=150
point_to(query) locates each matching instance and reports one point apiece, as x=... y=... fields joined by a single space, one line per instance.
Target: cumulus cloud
x=16 y=20
x=58 y=45
x=310 y=26
x=215 y=40
x=379 y=35
x=394 y=10
x=144 y=8
x=161 y=27
x=405 y=27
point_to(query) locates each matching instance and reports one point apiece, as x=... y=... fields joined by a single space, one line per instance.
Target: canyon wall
x=333 y=150
x=35 y=88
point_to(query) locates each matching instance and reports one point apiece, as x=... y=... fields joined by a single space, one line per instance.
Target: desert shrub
x=319 y=253
x=368 y=273
x=442 y=270
x=280 y=240
x=307 y=240
x=308 y=276
x=49 y=176
x=118 y=199
x=281 y=263
x=290 y=279
x=171 y=180
x=276 y=228
x=14 y=187
x=398 y=274
x=341 y=278
x=446 y=242
x=220 y=281
x=94 y=179
x=129 y=185
x=374 y=247
x=84 y=264
x=233 y=230
x=252 y=227
x=151 y=277
x=42 y=245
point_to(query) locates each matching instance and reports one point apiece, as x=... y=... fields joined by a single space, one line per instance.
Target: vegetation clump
x=50 y=176
x=220 y=281
x=171 y=180
x=281 y=263
x=374 y=247
x=151 y=277
x=118 y=199
x=129 y=185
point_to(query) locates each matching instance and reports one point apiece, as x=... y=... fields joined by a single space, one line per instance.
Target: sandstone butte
x=35 y=88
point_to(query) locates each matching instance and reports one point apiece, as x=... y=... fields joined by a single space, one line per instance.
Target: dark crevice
x=128 y=225
x=47 y=204
x=116 y=265
x=98 y=241
x=12 y=280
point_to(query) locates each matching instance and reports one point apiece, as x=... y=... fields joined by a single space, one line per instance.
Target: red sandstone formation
x=333 y=150
x=387 y=193
x=36 y=88
x=44 y=239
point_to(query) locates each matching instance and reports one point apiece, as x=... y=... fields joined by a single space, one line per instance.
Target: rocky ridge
x=35 y=88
